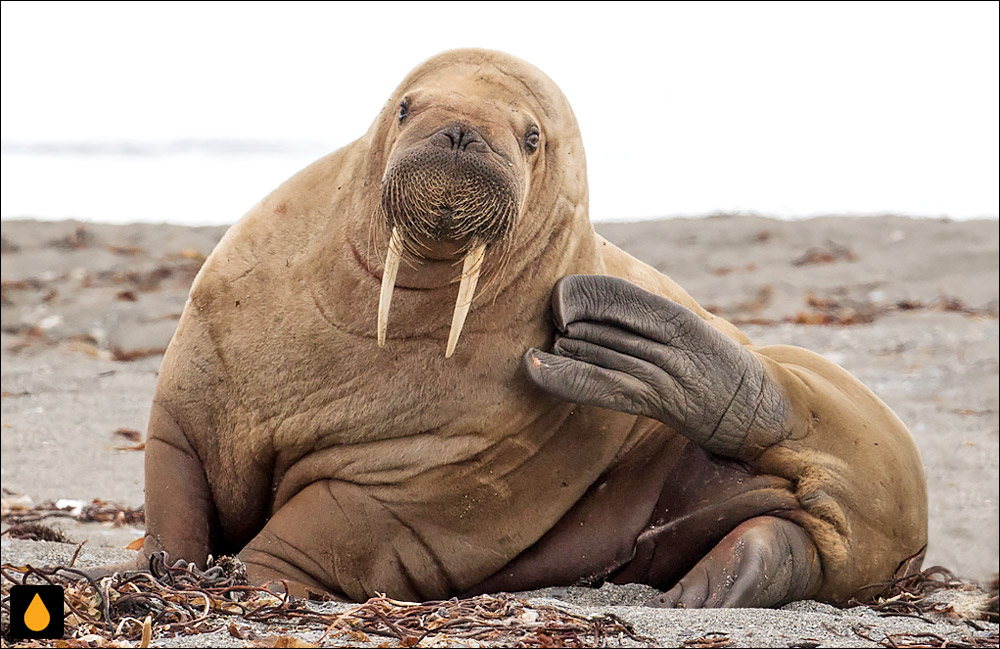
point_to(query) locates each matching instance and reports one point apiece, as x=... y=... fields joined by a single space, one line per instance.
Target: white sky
x=777 y=108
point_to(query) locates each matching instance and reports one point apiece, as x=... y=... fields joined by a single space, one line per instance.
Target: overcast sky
x=783 y=108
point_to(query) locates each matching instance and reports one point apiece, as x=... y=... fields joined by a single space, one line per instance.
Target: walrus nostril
x=459 y=137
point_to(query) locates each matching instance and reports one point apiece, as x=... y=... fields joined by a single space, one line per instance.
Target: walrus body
x=281 y=431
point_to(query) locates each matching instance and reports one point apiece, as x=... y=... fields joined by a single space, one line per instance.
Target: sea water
x=215 y=182
x=188 y=184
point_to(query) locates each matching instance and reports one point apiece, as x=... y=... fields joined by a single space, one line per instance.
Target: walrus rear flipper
x=764 y=562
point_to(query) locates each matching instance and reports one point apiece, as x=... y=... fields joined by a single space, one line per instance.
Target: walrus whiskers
x=466 y=292
x=388 y=283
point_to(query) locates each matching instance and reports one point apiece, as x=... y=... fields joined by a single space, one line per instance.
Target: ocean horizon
x=215 y=181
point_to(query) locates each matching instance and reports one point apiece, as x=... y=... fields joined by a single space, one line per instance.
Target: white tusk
x=388 y=283
x=466 y=291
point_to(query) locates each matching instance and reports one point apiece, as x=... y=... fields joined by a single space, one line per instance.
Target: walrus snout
x=450 y=187
x=459 y=136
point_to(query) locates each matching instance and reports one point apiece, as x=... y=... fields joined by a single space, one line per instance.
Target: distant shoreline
x=201 y=182
x=596 y=221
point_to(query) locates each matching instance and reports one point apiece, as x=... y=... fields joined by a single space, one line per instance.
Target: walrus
x=335 y=411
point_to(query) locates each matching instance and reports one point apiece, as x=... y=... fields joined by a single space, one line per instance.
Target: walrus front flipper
x=623 y=348
x=764 y=562
x=179 y=504
x=178 y=501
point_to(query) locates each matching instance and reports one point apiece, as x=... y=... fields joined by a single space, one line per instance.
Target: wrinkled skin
x=623 y=348
x=638 y=439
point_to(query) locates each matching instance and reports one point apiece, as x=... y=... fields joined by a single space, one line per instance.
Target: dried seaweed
x=179 y=599
x=129 y=434
x=119 y=354
x=36 y=532
x=80 y=239
x=98 y=511
x=501 y=619
x=993 y=605
x=843 y=311
x=927 y=640
x=710 y=640
x=831 y=253
x=907 y=596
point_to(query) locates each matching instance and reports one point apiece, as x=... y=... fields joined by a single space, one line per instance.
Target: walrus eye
x=531 y=140
x=404 y=110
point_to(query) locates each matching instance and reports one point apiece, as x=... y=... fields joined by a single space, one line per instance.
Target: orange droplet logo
x=37 y=616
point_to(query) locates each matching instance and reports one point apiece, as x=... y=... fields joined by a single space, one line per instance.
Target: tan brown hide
x=281 y=430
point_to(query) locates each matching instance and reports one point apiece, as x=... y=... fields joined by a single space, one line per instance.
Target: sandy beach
x=909 y=306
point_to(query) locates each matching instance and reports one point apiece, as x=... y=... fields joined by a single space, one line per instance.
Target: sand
x=908 y=305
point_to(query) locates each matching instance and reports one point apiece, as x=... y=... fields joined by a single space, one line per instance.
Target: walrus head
x=463 y=142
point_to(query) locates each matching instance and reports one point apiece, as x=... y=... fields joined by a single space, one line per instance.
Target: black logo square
x=36 y=612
